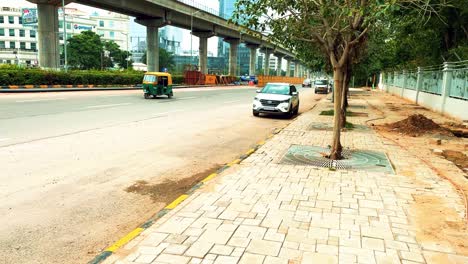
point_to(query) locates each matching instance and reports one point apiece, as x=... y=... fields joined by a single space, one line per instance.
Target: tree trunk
x=338 y=74
x=344 y=98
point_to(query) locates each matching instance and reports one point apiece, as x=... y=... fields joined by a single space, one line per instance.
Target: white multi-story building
x=18 y=42
x=113 y=26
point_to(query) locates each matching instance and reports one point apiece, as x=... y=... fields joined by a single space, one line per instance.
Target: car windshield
x=321 y=82
x=276 y=89
x=149 y=78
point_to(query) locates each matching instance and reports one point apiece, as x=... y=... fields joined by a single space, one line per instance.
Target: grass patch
x=328 y=112
x=331 y=112
x=349 y=125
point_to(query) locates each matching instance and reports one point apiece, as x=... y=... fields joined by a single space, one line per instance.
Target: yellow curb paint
x=250 y=151
x=124 y=240
x=209 y=177
x=237 y=161
x=177 y=201
x=261 y=142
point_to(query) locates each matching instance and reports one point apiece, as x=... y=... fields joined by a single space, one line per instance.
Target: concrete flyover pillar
x=279 y=62
x=152 y=48
x=152 y=41
x=253 y=57
x=203 y=55
x=288 y=67
x=233 y=46
x=203 y=50
x=296 y=68
x=266 y=62
x=48 y=39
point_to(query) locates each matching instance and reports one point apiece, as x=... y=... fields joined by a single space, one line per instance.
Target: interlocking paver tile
x=249 y=258
x=319 y=258
x=264 y=247
x=172 y=259
x=267 y=212
x=199 y=249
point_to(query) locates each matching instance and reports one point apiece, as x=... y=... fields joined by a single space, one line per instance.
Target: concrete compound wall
x=453 y=107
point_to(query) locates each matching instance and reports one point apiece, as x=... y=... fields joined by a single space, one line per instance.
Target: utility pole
x=65 y=36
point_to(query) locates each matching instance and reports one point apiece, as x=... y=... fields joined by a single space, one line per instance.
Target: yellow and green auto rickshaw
x=157 y=83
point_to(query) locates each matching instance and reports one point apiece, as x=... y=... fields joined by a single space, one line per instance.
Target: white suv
x=277 y=99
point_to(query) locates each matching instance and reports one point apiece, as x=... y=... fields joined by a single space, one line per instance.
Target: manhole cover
x=354 y=159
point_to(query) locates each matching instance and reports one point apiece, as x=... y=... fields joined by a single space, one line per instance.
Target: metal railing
x=451 y=79
x=204 y=8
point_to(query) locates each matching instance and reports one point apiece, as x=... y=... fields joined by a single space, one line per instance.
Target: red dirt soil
x=416 y=125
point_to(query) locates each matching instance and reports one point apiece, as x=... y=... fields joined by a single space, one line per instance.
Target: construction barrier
x=210 y=79
x=262 y=80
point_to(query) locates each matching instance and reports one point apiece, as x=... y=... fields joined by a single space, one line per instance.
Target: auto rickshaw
x=157 y=83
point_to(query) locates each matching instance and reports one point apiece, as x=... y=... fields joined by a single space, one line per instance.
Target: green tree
x=117 y=56
x=166 y=59
x=85 y=51
x=339 y=29
x=404 y=41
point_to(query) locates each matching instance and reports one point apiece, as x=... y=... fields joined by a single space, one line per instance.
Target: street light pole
x=128 y=57
x=65 y=36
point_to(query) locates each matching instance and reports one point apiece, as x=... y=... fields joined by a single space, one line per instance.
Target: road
x=81 y=169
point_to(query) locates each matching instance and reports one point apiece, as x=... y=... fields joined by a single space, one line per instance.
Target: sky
x=212 y=42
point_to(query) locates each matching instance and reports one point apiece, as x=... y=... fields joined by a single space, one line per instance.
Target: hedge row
x=41 y=77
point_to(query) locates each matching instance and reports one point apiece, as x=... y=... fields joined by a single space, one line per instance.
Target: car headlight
x=256 y=98
x=284 y=101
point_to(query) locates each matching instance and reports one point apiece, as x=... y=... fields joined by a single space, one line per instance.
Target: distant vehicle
x=247 y=78
x=157 y=83
x=321 y=86
x=276 y=99
x=307 y=83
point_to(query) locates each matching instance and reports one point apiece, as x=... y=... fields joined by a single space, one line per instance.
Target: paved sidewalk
x=262 y=211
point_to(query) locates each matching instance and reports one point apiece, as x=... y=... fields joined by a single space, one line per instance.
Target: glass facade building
x=226 y=9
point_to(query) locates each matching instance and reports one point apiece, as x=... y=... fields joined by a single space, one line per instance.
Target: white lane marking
x=40 y=100
x=4 y=139
x=106 y=105
x=186 y=98
x=229 y=102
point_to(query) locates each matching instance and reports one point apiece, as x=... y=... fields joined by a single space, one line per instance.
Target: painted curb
x=137 y=231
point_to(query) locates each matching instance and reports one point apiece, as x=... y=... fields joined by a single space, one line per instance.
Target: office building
x=18 y=40
x=226 y=9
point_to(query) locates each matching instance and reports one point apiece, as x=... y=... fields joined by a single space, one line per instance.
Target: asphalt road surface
x=67 y=159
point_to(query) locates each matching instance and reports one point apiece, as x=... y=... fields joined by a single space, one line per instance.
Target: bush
x=177 y=79
x=18 y=76
x=13 y=75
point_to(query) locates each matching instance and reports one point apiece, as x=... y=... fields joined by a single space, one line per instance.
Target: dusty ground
x=445 y=154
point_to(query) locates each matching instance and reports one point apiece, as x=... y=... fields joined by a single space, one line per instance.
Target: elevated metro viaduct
x=158 y=13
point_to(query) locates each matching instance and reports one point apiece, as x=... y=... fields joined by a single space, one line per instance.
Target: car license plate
x=268 y=108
